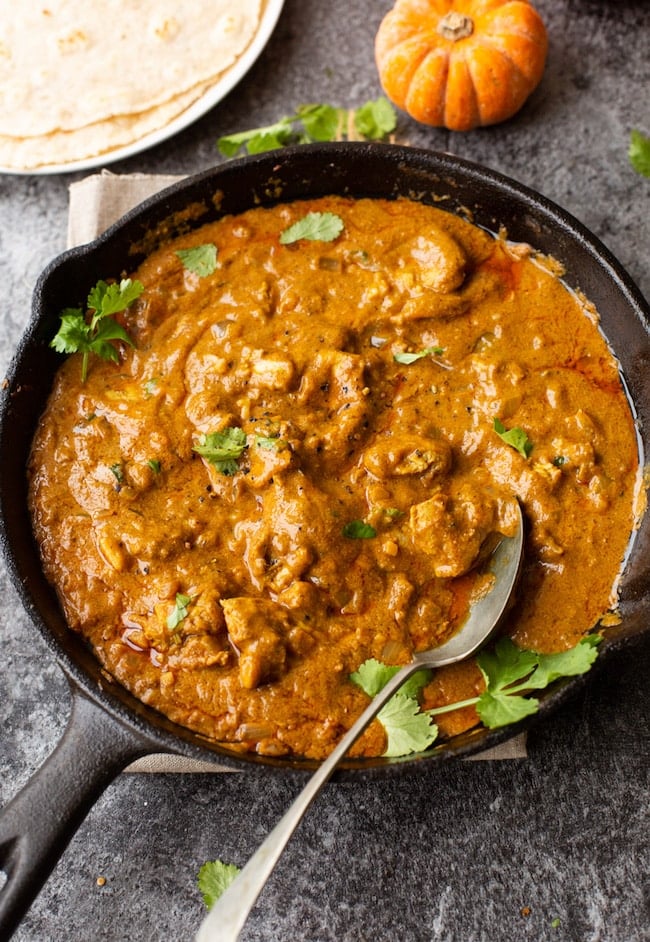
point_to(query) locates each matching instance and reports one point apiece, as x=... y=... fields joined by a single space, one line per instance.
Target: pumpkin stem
x=455 y=26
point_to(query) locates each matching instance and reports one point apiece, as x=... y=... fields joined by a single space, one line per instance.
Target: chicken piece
x=578 y=456
x=199 y=651
x=258 y=629
x=269 y=373
x=441 y=262
x=451 y=529
x=334 y=398
x=399 y=455
x=268 y=456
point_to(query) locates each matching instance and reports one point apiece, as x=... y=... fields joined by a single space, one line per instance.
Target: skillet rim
x=79 y=664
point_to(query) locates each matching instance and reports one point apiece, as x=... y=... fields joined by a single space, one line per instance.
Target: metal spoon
x=226 y=918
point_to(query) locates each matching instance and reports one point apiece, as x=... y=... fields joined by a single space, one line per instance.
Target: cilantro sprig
x=639 y=152
x=510 y=673
x=117 y=470
x=515 y=437
x=359 y=530
x=373 y=121
x=406 y=358
x=201 y=260
x=315 y=227
x=408 y=729
x=77 y=334
x=223 y=449
x=270 y=443
x=179 y=612
x=214 y=879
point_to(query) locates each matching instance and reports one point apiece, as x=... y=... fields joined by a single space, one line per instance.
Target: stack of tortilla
x=80 y=79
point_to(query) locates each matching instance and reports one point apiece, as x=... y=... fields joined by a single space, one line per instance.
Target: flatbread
x=80 y=78
x=93 y=140
x=65 y=64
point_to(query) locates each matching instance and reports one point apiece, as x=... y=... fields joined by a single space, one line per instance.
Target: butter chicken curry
x=299 y=461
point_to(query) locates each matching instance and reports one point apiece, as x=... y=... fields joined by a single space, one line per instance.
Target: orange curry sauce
x=300 y=347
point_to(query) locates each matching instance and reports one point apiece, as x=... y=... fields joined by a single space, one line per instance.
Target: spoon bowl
x=225 y=920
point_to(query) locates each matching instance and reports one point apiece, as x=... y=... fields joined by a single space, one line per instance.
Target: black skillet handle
x=38 y=823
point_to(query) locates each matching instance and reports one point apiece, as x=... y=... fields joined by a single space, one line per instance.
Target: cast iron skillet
x=108 y=728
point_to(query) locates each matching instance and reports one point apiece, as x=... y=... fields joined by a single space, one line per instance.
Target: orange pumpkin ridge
x=461 y=64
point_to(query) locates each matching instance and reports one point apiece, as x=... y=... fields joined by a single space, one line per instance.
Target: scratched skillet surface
x=454 y=855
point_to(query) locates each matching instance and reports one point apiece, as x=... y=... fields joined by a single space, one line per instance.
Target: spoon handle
x=225 y=920
x=228 y=915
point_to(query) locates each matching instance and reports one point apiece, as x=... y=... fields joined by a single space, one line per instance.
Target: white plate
x=270 y=16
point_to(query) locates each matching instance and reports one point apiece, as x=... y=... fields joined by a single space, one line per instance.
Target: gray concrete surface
x=553 y=847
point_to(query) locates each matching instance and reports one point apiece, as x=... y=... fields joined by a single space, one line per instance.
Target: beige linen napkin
x=95 y=203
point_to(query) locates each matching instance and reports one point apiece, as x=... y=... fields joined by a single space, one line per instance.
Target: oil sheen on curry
x=295 y=467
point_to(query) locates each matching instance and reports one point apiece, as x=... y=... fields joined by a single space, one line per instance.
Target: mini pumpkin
x=460 y=64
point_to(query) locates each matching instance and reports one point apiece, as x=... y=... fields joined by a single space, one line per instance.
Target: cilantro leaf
x=78 y=335
x=96 y=296
x=408 y=358
x=269 y=140
x=375 y=119
x=393 y=513
x=500 y=709
x=315 y=227
x=413 y=686
x=214 y=879
x=106 y=330
x=200 y=260
x=117 y=470
x=373 y=675
x=510 y=672
x=359 y=530
x=372 y=121
x=270 y=443
x=258 y=140
x=321 y=122
x=179 y=612
x=106 y=300
x=515 y=437
x=505 y=664
x=571 y=663
x=73 y=334
x=639 y=152
x=222 y=449
x=407 y=728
